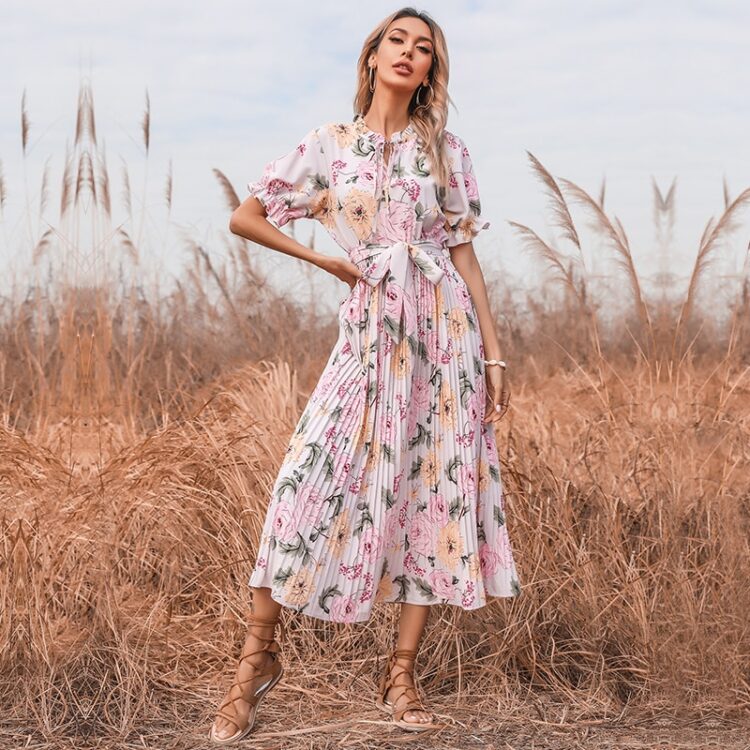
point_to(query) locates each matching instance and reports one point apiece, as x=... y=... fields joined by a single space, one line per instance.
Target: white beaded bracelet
x=495 y=362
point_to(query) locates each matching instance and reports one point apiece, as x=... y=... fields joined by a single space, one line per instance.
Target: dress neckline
x=396 y=136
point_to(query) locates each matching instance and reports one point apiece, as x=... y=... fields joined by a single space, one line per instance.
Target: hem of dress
x=320 y=614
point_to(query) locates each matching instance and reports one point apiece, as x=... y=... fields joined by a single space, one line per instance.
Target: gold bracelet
x=495 y=362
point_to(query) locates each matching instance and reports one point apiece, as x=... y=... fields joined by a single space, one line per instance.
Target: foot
x=250 y=677
x=405 y=691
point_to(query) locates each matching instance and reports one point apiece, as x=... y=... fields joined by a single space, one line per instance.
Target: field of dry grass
x=140 y=438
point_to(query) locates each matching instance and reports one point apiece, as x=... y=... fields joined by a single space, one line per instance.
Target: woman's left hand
x=498 y=393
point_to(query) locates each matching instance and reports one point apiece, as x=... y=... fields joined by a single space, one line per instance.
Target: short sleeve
x=295 y=185
x=462 y=207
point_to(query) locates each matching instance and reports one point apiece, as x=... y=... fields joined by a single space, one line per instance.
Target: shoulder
x=453 y=142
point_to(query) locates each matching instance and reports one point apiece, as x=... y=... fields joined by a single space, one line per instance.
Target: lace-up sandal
x=389 y=680
x=237 y=692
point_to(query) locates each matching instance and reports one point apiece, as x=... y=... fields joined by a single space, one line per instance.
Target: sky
x=622 y=92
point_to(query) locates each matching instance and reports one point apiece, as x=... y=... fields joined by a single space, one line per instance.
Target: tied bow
x=399 y=289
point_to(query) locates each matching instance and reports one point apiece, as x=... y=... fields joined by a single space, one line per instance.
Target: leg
x=259 y=636
x=411 y=626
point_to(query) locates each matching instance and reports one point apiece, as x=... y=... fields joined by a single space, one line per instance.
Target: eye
x=426 y=50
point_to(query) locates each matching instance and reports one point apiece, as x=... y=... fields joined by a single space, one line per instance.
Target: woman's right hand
x=344 y=269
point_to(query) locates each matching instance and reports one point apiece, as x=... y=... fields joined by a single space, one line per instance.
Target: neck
x=388 y=113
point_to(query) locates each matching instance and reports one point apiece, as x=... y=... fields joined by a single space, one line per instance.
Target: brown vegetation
x=141 y=437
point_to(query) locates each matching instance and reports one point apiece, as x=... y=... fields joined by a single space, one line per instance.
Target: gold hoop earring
x=432 y=97
x=372 y=79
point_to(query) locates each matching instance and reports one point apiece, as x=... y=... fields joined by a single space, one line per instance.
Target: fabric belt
x=393 y=263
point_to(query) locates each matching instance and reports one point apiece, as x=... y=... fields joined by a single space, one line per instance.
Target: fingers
x=497 y=406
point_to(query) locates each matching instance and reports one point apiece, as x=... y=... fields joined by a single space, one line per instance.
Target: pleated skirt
x=390 y=488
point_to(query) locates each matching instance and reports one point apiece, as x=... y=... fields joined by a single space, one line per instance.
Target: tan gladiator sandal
x=386 y=682
x=274 y=673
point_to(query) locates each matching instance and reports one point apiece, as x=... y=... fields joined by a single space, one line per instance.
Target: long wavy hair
x=428 y=121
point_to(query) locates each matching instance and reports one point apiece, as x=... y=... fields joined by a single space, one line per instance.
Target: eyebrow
x=419 y=38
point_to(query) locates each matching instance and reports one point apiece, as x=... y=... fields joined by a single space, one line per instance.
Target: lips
x=404 y=66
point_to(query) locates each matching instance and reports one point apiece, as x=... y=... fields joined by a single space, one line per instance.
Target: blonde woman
x=390 y=489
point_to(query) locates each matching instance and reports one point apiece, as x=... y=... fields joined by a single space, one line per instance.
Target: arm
x=465 y=260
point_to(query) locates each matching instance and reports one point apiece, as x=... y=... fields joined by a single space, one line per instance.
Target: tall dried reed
x=142 y=433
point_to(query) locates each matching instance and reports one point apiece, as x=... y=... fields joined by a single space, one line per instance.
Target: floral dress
x=390 y=488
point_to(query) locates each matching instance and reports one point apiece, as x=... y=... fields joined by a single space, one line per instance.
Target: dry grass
x=141 y=438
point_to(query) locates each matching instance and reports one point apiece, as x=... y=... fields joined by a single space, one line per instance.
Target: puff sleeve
x=462 y=207
x=295 y=185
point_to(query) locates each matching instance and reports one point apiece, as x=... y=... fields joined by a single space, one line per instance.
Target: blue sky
x=626 y=91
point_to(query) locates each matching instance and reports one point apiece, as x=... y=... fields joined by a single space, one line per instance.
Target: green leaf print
x=495 y=472
x=465 y=386
x=425 y=589
x=421 y=351
x=295 y=548
x=328 y=463
x=287 y=483
x=327 y=594
x=403 y=586
x=415 y=468
x=336 y=413
x=392 y=326
x=315 y=451
x=421 y=436
x=420 y=169
x=387 y=451
x=481 y=536
x=515 y=586
x=497 y=514
x=450 y=470
x=388 y=497
x=364 y=520
x=336 y=502
x=470 y=320
x=454 y=508
x=281 y=575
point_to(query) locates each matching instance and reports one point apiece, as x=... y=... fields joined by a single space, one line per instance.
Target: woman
x=390 y=488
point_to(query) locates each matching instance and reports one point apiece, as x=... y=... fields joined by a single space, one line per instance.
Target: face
x=407 y=41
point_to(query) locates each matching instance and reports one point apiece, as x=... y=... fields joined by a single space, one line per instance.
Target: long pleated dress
x=390 y=488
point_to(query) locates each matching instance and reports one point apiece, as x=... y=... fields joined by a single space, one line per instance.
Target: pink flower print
x=284 y=522
x=411 y=423
x=412 y=566
x=370 y=545
x=397 y=482
x=261 y=563
x=367 y=593
x=394 y=296
x=432 y=345
x=470 y=183
x=437 y=510
x=421 y=534
x=395 y=221
x=446 y=355
x=467 y=439
x=420 y=392
x=467 y=598
x=309 y=500
x=391 y=525
x=343 y=609
x=464 y=297
x=330 y=434
x=351 y=571
x=336 y=166
x=503 y=549
x=410 y=187
x=365 y=171
x=387 y=427
x=403 y=406
x=467 y=479
x=488 y=560
x=441 y=583
x=474 y=405
x=341 y=472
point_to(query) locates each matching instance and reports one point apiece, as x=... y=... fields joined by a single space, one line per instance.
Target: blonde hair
x=428 y=121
